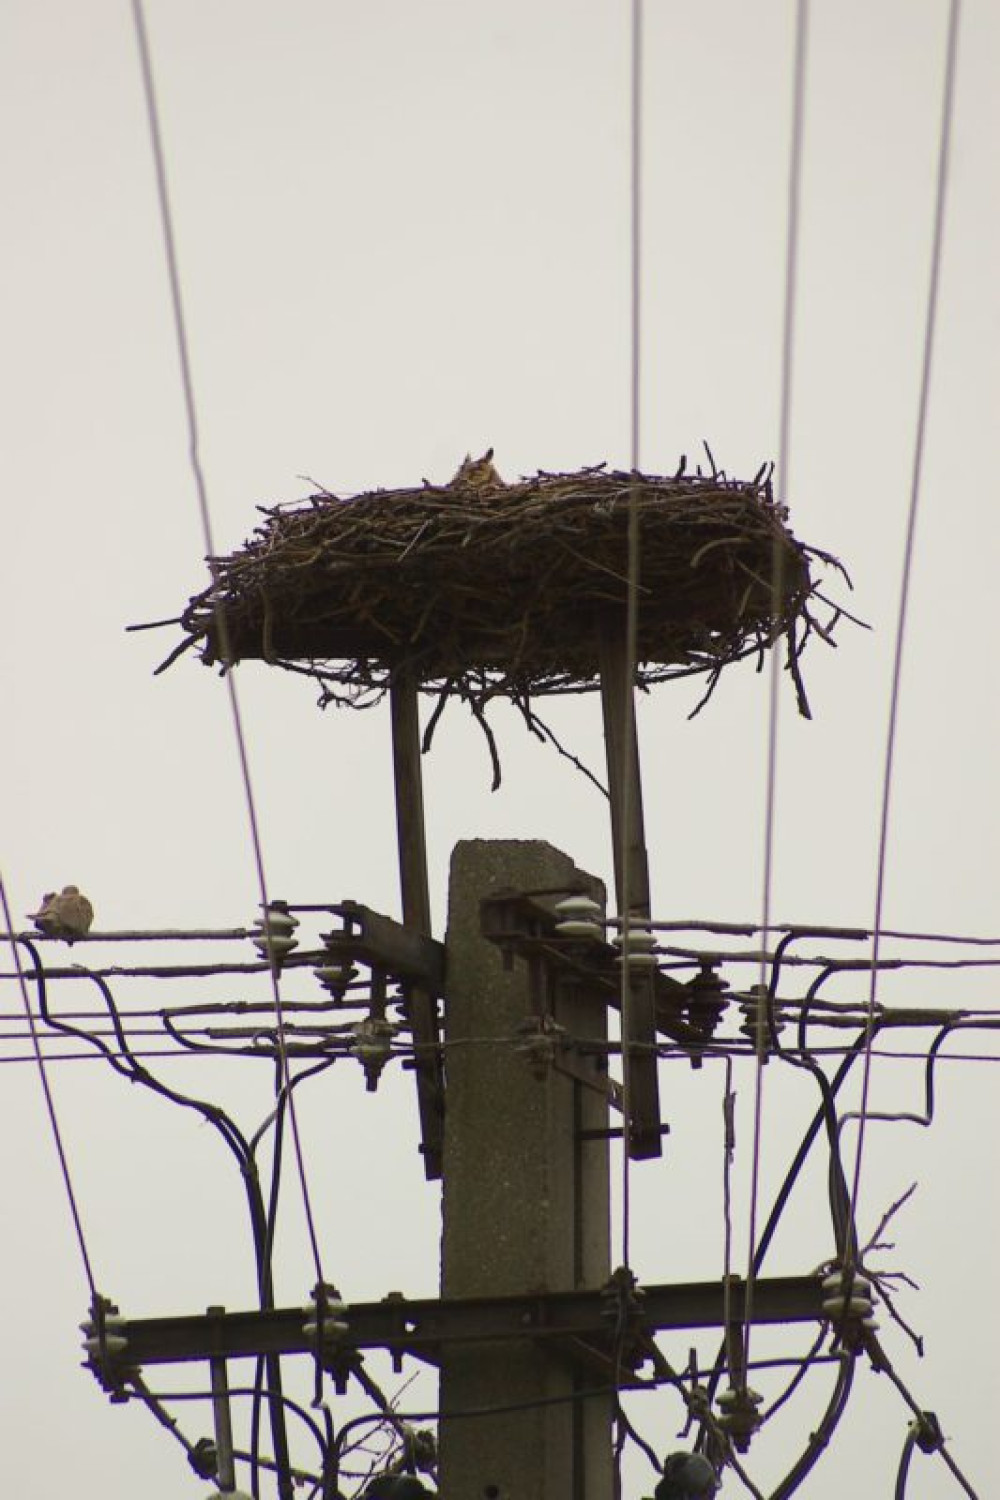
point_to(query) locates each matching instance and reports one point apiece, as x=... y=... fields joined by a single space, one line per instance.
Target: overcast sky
x=403 y=233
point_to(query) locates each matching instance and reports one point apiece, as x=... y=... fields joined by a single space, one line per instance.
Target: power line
x=50 y=1106
x=630 y=791
x=187 y=384
x=923 y=406
x=777 y=575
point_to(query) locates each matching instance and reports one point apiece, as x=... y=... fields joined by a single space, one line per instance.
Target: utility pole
x=505 y=1025
x=526 y=1200
x=531 y=1335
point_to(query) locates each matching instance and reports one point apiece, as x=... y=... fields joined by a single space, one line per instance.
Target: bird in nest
x=67 y=914
x=476 y=473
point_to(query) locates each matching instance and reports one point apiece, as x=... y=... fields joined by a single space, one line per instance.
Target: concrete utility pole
x=526 y=1202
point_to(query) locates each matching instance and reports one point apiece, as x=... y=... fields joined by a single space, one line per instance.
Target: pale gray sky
x=403 y=231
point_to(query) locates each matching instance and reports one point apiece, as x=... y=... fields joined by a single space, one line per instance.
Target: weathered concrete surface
x=526 y=1205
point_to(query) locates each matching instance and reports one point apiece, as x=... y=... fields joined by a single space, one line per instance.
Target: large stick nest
x=479 y=588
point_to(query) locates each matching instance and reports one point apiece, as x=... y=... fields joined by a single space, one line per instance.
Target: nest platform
x=495 y=589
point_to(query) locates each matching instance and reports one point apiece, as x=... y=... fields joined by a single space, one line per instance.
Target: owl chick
x=477 y=473
x=66 y=915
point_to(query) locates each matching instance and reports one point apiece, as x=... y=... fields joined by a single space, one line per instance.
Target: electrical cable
x=187 y=384
x=823 y=1116
x=899 y=1493
x=728 y=1153
x=931 y=1059
x=716 y=1051
x=883 y=1366
x=811 y=1359
x=276 y=1121
x=262 y=1222
x=240 y=1148
x=50 y=1108
x=840 y=1204
x=927 y=359
x=434 y=1414
x=820 y=1118
x=819 y=1439
x=324 y=1443
x=261 y=1374
x=630 y=792
x=777 y=579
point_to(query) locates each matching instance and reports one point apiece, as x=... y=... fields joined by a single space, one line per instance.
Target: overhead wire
x=50 y=1109
x=884 y=1366
x=124 y=1062
x=777 y=578
x=630 y=792
x=819 y=1439
x=916 y=486
x=633 y=597
x=155 y=1401
x=190 y=406
x=187 y=385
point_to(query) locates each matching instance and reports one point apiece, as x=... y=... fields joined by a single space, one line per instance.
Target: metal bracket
x=523 y=925
x=382 y=943
x=416 y=960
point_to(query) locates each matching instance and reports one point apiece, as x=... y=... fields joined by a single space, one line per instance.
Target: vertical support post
x=622 y=748
x=628 y=836
x=416 y=903
x=404 y=708
x=526 y=1203
x=225 y=1470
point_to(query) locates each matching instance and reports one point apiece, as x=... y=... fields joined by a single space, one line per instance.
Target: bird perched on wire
x=67 y=914
x=477 y=473
x=686 y=1476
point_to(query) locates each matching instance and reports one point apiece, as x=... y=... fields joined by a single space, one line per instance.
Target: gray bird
x=686 y=1476
x=66 y=915
x=396 y=1487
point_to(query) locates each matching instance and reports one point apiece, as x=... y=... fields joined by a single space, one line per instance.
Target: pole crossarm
x=420 y=1328
x=405 y=952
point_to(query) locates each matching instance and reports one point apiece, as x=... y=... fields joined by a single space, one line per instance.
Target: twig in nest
x=155 y=624
x=887 y=1218
x=432 y=722
x=894 y=1312
x=793 y=667
x=308 y=479
x=477 y=707
x=541 y=729
x=713 y=683
x=838 y=609
x=175 y=653
x=710 y=457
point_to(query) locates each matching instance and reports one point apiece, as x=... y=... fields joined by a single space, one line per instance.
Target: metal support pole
x=420 y=1006
x=526 y=1204
x=622 y=747
x=225 y=1465
x=225 y=1471
x=629 y=839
